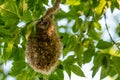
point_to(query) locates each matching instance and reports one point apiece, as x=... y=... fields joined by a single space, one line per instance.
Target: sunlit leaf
x=118 y=2
x=30 y=29
x=100 y=7
x=10 y=46
x=8 y=50
x=97 y=25
x=114 y=51
x=73 y=2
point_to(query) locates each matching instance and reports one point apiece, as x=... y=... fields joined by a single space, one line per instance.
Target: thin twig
x=109 y=32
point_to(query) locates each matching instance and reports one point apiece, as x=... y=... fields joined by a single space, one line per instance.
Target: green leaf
x=73 y=2
x=103 y=73
x=7 y=51
x=30 y=29
x=27 y=16
x=70 y=60
x=118 y=30
x=1 y=1
x=98 y=58
x=105 y=66
x=27 y=74
x=116 y=64
x=9 y=46
x=93 y=33
x=97 y=25
x=114 y=51
x=118 y=78
x=68 y=70
x=31 y=4
x=17 y=68
x=77 y=25
x=22 y=75
x=10 y=6
x=104 y=44
x=36 y=8
x=2 y=22
x=60 y=73
x=95 y=70
x=10 y=18
x=73 y=13
x=18 y=53
x=95 y=3
x=114 y=5
x=77 y=70
x=69 y=43
x=79 y=52
x=100 y=7
x=105 y=62
x=90 y=50
x=54 y=77
x=88 y=54
x=4 y=33
x=111 y=70
x=46 y=1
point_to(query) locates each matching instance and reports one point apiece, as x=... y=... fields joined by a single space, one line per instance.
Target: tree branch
x=109 y=32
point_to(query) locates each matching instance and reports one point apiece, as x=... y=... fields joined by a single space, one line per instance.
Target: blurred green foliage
x=84 y=40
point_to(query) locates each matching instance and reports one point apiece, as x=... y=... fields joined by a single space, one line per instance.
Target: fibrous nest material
x=43 y=48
